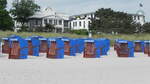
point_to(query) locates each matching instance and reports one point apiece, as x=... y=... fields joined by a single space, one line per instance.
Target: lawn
x=109 y=36
x=26 y=34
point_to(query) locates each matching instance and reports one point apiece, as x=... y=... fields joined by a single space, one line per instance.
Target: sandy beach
x=76 y=70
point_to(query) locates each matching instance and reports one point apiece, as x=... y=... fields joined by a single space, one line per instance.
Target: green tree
x=107 y=21
x=49 y=28
x=139 y=28
x=23 y=9
x=146 y=27
x=6 y=22
x=3 y=4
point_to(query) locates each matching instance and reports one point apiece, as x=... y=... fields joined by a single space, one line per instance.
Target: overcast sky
x=83 y=6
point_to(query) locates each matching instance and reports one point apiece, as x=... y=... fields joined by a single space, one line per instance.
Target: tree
x=107 y=21
x=146 y=27
x=139 y=28
x=49 y=28
x=3 y=4
x=6 y=22
x=23 y=9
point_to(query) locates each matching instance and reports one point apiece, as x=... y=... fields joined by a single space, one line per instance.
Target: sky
x=72 y=7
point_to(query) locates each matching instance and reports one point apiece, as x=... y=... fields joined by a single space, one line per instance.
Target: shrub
x=80 y=32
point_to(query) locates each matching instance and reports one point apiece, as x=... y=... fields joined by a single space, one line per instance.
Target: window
x=60 y=22
x=66 y=23
x=45 y=21
x=89 y=23
x=36 y=22
x=74 y=24
x=134 y=17
x=50 y=21
x=55 y=22
x=84 y=24
x=138 y=17
x=80 y=24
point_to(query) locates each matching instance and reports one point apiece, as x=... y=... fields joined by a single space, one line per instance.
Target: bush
x=47 y=28
x=80 y=32
x=23 y=29
x=146 y=27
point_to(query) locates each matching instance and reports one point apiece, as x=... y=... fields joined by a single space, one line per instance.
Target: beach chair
x=55 y=48
x=79 y=45
x=105 y=46
x=33 y=46
x=69 y=46
x=139 y=46
x=92 y=49
x=125 y=49
x=146 y=47
x=43 y=45
x=5 y=46
x=6 y=43
x=18 y=48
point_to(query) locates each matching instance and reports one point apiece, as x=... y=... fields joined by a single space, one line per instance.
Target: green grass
x=130 y=37
x=125 y=36
x=109 y=36
x=26 y=34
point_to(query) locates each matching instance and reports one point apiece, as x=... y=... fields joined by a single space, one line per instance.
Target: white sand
x=76 y=70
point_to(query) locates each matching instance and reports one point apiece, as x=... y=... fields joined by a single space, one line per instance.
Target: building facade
x=139 y=17
x=83 y=21
x=63 y=21
x=49 y=16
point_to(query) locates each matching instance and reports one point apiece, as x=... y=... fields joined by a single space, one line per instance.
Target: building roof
x=50 y=13
x=139 y=13
x=83 y=14
x=136 y=15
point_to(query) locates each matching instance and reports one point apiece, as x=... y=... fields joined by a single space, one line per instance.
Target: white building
x=139 y=17
x=62 y=21
x=49 y=16
x=83 y=21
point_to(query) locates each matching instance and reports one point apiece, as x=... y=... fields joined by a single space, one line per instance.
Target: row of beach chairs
x=56 y=48
x=126 y=48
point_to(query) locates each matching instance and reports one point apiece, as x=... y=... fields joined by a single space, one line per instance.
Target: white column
x=57 y=21
x=52 y=21
x=62 y=26
x=43 y=24
x=48 y=21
